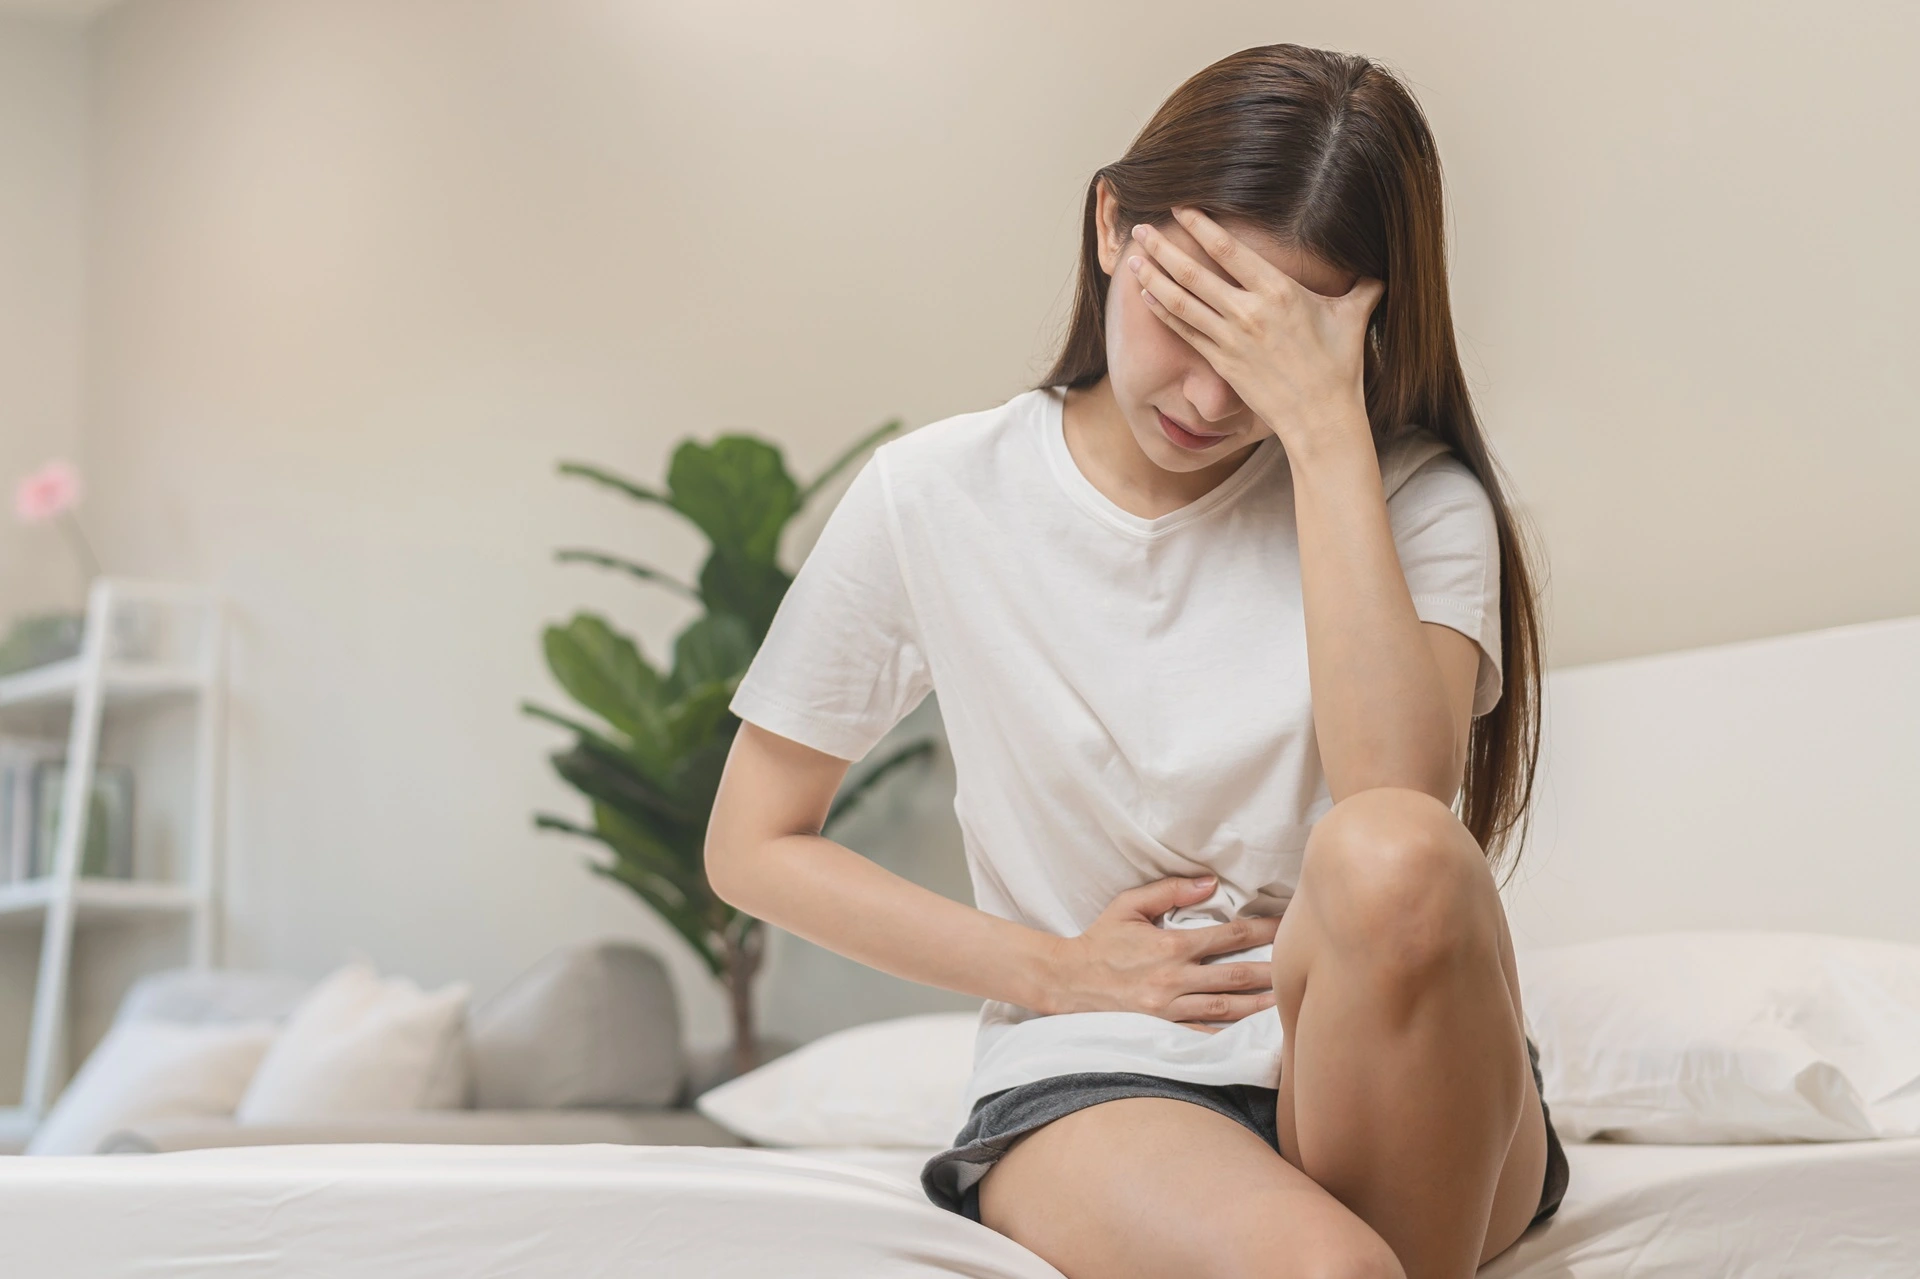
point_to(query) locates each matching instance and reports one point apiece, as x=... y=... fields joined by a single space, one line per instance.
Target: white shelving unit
x=141 y=642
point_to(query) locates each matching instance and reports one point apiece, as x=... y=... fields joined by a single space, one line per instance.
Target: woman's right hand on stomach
x=1126 y=962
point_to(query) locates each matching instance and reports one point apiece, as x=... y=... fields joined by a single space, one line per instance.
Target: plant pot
x=40 y=641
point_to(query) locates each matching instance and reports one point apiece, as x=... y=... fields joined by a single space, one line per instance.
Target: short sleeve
x=842 y=662
x=1449 y=545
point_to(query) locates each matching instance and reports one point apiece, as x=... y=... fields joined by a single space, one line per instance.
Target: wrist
x=1048 y=968
x=1333 y=440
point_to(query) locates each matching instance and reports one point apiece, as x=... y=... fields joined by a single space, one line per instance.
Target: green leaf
x=750 y=590
x=604 y=672
x=694 y=719
x=716 y=648
x=587 y=732
x=681 y=862
x=696 y=775
x=841 y=463
x=692 y=929
x=666 y=898
x=574 y=555
x=851 y=794
x=737 y=490
x=614 y=779
x=653 y=774
x=600 y=475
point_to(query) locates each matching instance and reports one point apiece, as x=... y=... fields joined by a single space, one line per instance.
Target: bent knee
x=1394 y=873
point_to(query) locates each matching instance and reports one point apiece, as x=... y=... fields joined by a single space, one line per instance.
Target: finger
x=1204 y=979
x=1194 y=1025
x=1364 y=295
x=1194 y=337
x=1219 y=1007
x=1150 y=901
x=1237 y=934
x=1247 y=268
x=1220 y=296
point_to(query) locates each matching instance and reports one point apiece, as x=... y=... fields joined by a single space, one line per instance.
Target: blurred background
x=314 y=294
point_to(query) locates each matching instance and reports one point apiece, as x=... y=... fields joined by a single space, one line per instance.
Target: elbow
x=721 y=858
x=1442 y=778
x=1456 y=771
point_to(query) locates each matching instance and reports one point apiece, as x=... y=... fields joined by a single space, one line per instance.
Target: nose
x=1211 y=395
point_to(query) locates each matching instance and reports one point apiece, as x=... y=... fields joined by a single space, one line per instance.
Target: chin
x=1171 y=457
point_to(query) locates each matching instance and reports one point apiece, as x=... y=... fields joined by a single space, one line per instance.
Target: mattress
x=1844 y=1210
x=1838 y=1211
x=467 y=1212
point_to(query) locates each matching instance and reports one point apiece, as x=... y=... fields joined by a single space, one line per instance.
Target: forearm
x=1380 y=709
x=835 y=898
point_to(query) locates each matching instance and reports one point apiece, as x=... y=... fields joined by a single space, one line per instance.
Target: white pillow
x=887 y=1083
x=358 y=1044
x=143 y=1070
x=1728 y=1037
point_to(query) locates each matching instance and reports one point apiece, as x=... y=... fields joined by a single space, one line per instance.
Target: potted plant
x=49 y=495
x=649 y=760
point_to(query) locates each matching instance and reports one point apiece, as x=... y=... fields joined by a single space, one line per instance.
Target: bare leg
x=1158 y=1188
x=1405 y=1089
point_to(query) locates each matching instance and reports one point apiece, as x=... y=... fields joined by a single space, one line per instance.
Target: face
x=1152 y=369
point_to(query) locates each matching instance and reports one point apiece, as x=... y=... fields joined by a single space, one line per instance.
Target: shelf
x=56 y=683
x=94 y=899
x=140 y=642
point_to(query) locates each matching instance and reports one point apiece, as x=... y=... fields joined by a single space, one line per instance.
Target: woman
x=1222 y=615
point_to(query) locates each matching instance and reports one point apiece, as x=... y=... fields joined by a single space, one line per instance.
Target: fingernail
x=1203 y=881
x=1134 y=263
x=1140 y=231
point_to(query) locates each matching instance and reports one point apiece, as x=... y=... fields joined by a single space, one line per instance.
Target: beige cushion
x=590 y=1025
x=650 y=1127
x=212 y=995
x=150 y=1070
x=360 y=1043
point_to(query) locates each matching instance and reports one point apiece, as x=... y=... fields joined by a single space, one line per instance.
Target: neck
x=1110 y=456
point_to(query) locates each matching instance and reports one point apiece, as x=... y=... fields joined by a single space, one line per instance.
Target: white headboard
x=1771 y=783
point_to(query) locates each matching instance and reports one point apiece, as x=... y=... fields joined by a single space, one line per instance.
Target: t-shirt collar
x=1051 y=402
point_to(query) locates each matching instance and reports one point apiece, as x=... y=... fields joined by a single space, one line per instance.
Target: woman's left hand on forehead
x=1293 y=355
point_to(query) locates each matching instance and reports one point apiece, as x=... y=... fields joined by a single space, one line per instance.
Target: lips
x=1186 y=439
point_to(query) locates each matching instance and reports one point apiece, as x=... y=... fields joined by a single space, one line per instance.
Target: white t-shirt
x=1125 y=698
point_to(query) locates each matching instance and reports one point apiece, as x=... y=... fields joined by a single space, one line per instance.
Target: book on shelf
x=108 y=850
x=19 y=757
x=32 y=776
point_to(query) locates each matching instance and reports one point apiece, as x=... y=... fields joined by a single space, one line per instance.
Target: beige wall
x=42 y=252
x=362 y=269
x=42 y=255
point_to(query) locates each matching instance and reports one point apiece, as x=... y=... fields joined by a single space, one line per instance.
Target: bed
x=414 y=1212
x=1764 y=784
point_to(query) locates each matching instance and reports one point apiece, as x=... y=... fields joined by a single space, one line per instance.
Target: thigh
x=1149 y=1187
x=1516 y=1196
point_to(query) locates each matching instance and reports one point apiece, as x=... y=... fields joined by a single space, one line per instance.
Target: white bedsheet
x=1837 y=1211
x=464 y=1212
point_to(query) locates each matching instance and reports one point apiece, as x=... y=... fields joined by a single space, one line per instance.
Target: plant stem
x=89 y=562
x=743 y=962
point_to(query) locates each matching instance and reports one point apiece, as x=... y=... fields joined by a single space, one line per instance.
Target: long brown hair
x=1330 y=154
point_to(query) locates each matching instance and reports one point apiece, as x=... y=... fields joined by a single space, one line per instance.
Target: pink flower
x=47 y=492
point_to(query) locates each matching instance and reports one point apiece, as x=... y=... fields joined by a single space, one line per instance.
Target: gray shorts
x=952 y=1177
